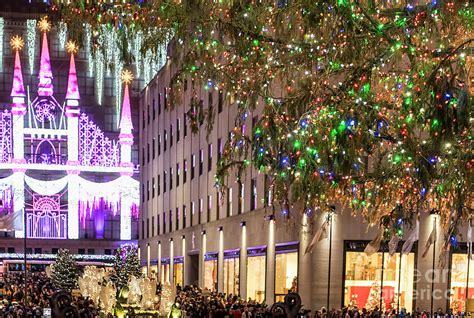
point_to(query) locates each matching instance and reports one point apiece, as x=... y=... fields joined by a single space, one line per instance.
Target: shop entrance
x=194 y=269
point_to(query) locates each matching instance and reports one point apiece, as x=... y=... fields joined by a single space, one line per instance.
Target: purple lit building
x=67 y=161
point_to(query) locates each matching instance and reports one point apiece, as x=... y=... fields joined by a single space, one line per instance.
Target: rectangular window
x=462 y=278
x=164 y=222
x=171 y=136
x=148 y=190
x=171 y=178
x=154 y=148
x=178 y=129
x=193 y=165
x=219 y=204
x=143 y=192
x=286 y=274
x=143 y=119
x=209 y=157
x=177 y=219
x=363 y=278
x=241 y=198
x=253 y=200
x=154 y=109
x=184 y=216
x=166 y=140
x=165 y=175
x=185 y=170
x=201 y=203
x=219 y=149
x=178 y=172
x=209 y=207
x=231 y=275
x=229 y=202
x=152 y=226
x=143 y=156
x=210 y=274
x=256 y=277
x=185 y=123
x=153 y=187
x=193 y=209
x=147 y=227
x=201 y=112
x=148 y=152
x=201 y=160
x=210 y=100
x=159 y=144
x=158 y=183
x=148 y=114
x=220 y=101
x=171 y=221
x=143 y=229
x=159 y=104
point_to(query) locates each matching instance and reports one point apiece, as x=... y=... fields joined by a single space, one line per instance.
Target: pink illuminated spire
x=18 y=89
x=126 y=125
x=72 y=87
x=45 y=85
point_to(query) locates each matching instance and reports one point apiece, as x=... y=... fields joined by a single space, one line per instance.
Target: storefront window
x=231 y=276
x=460 y=286
x=210 y=272
x=256 y=277
x=178 y=274
x=165 y=272
x=364 y=281
x=286 y=274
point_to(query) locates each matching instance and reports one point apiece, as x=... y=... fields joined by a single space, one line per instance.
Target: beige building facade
x=238 y=244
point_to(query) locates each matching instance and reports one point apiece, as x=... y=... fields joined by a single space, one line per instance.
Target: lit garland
x=2 y=29
x=62 y=35
x=99 y=75
x=31 y=43
x=79 y=257
x=137 y=45
x=88 y=47
x=118 y=66
x=362 y=103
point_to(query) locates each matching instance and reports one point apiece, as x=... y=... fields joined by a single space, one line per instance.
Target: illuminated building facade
x=67 y=164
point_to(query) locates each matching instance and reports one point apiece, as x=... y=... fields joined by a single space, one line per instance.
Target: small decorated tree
x=64 y=272
x=126 y=264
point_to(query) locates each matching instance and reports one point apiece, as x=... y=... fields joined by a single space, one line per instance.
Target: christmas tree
x=367 y=103
x=64 y=271
x=126 y=264
x=373 y=301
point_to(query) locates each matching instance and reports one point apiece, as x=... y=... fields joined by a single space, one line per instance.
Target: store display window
x=461 y=287
x=256 y=270
x=178 y=271
x=379 y=280
x=165 y=271
x=210 y=271
x=286 y=269
x=231 y=272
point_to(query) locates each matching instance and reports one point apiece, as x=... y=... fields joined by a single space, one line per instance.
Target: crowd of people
x=189 y=301
x=194 y=302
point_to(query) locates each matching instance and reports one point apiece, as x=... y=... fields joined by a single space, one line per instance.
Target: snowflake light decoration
x=44 y=111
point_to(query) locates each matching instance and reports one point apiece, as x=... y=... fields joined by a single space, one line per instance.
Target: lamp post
x=330 y=216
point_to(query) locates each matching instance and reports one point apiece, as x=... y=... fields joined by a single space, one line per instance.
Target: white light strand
x=149 y=69
x=99 y=75
x=118 y=66
x=62 y=35
x=46 y=187
x=2 y=29
x=88 y=46
x=137 y=44
x=110 y=46
x=31 y=42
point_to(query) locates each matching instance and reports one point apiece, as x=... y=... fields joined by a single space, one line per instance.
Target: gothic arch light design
x=55 y=208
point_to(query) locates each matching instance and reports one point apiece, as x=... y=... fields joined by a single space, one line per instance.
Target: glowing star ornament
x=44 y=25
x=127 y=77
x=17 y=43
x=71 y=47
